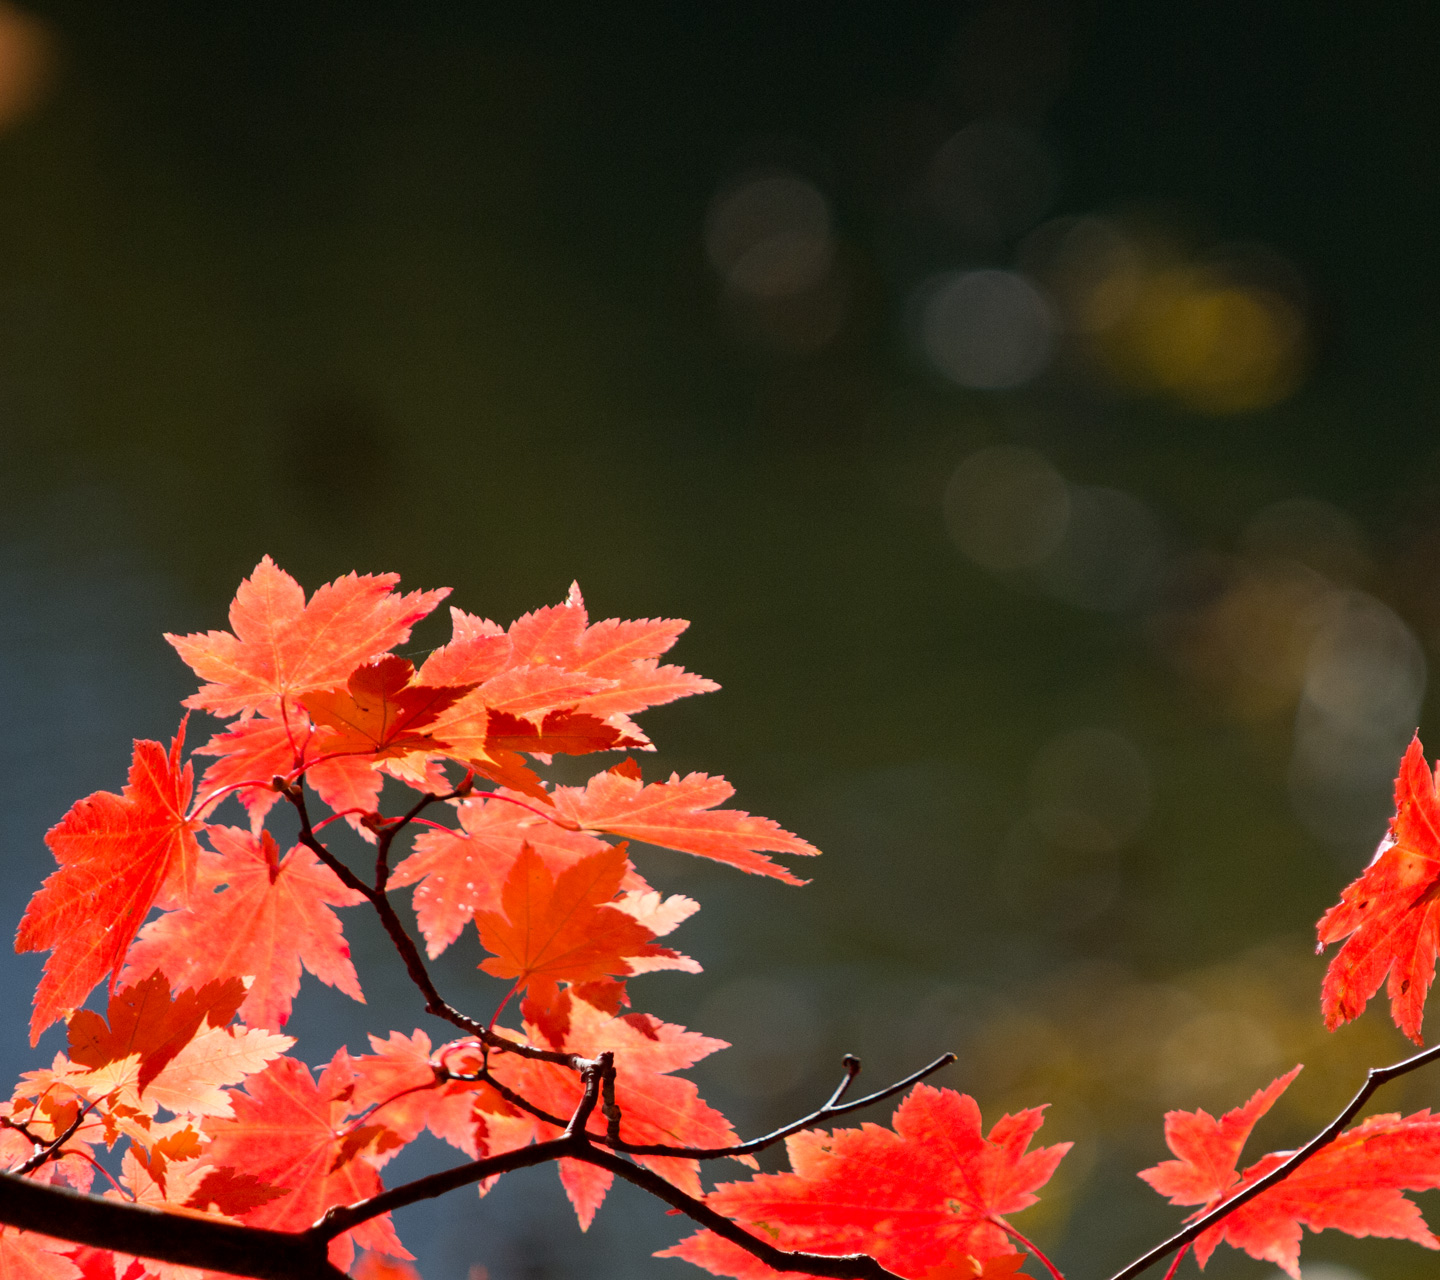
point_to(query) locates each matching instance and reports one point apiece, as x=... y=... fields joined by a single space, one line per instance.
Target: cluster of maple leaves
x=188 y=1083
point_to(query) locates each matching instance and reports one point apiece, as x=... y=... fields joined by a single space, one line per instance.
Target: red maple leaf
x=570 y=733
x=680 y=814
x=117 y=855
x=282 y=648
x=381 y=711
x=460 y=872
x=1354 y=1184
x=912 y=1197
x=146 y=1020
x=562 y=929
x=655 y=1106
x=1390 y=916
x=289 y=1131
x=271 y=916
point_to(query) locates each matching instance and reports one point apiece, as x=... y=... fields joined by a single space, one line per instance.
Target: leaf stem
x=1031 y=1247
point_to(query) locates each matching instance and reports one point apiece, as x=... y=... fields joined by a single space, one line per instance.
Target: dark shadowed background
x=1033 y=406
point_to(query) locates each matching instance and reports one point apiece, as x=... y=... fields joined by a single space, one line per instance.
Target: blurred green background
x=1034 y=406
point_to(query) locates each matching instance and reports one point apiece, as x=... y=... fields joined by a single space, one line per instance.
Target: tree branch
x=345 y=1217
x=613 y=1140
x=1374 y=1079
x=51 y=1152
x=853 y=1266
x=167 y=1237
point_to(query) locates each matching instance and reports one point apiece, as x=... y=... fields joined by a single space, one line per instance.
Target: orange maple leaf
x=283 y=648
x=117 y=855
x=399 y=1081
x=680 y=814
x=461 y=872
x=1353 y=1185
x=562 y=929
x=912 y=1197
x=478 y=649
x=1390 y=915
x=271 y=916
x=146 y=1020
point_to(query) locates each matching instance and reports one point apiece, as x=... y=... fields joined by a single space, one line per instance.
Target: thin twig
x=1376 y=1077
x=851 y=1065
x=829 y=1110
x=49 y=1152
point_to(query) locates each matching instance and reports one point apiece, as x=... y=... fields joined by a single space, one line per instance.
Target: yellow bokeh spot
x=1225 y=349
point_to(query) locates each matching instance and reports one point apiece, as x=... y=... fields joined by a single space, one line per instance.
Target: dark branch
x=167 y=1237
x=1376 y=1077
x=23 y=1130
x=52 y=1151
x=348 y=1216
x=612 y=1139
x=854 y=1266
x=828 y=1111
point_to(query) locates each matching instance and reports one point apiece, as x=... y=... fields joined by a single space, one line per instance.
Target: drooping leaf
x=912 y=1196
x=1355 y=1184
x=1390 y=916
x=117 y=855
x=282 y=648
x=681 y=814
x=262 y=918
